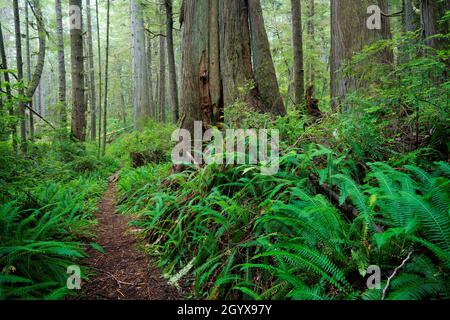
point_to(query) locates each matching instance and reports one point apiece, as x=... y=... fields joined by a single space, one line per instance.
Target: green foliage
x=153 y=142
x=47 y=207
x=274 y=237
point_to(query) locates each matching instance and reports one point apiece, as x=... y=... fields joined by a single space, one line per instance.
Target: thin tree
x=21 y=110
x=92 y=92
x=173 y=87
x=4 y=66
x=311 y=30
x=61 y=66
x=105 y=106
x=99 y=51
x=162 y=69
x=297 y=45
x=141 y=102
x=76 y=47
x=28 y=59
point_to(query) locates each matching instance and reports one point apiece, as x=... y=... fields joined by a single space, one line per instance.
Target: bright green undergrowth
x=47 y=207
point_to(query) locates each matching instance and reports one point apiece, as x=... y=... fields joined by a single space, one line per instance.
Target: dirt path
x=122 y=272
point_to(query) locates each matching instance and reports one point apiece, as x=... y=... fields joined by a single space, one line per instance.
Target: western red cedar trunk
x=151 y=95
x=431 y=12
x=61 y=65
x=92 y=91
x=349 y=35
x=21 y=109
x=77 y=62
x=99 y=54
x=173 y=87
x=297 y=45
x=263 y=67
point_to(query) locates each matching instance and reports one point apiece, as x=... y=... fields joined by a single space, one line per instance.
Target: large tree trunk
x=297 y=44
x=220 y=40
x=173 y=93
x=162 y=69
x=21 y=110
x=349 y=35
x=99 y=57
x=141 y=104
x=311 y=30
x=431 y=12
x=92 y=92
x=76 y=48
x=263 y=66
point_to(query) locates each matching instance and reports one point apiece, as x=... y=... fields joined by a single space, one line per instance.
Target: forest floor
x=122 y=272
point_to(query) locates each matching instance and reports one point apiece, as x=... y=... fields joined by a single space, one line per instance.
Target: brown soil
x=123 y=272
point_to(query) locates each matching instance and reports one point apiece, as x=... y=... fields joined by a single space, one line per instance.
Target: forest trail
x=122 y=272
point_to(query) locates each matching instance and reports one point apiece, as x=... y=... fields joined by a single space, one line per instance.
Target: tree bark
x=28 y=54
x=349 y=35
x=162 y=69
x=263 y=67
x=61 y=66
x=141 y=104
x=297 y=44
x=173 y=87
x=105 y=106
x=21 y=110
x=92 y=91
x=151 y=95
x=431 y=12
x=8 y=87
x=76 y=47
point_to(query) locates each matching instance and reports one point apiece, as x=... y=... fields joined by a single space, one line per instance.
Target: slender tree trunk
x=77 y=61
x=349 y=34
x=150 y=76
x=162 y=69
x=42 y=34
x=92 y=92
x=8 y=87
x=99 y=53
x=61 y=66
x=21 y=110
x=311 y=29
x=105 y=106
x=27 y=48
x=297 y=44
x=141 y=105
x=225 y=48
x=173 y=93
